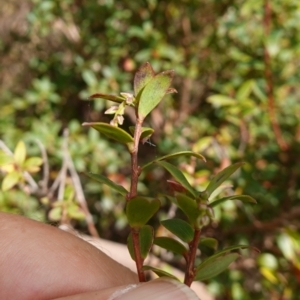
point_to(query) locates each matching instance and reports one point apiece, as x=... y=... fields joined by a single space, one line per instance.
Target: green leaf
x=112 y=132
x=113 y=98
x=55 y=214
x=170 y=245
x=102 y=179
x=146 y=235
x=189 y=207
x=245 y=90
x=20 y=153
x=146 y=133
x=5 y=159
x=178 y=175
x=221 y=100
x=209 y=242
x=32 y=164
x=10 y=180
x=226 y=250
x=214 y=267
x=160 y=273
x=143 y=75
x=74 y=212
x=181 y=153
x=153 y=93
x=139 y=210
x=180 y=228
x=221 y=177
x=243 y=198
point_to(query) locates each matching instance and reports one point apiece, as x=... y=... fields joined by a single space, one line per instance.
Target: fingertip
x=159 y=289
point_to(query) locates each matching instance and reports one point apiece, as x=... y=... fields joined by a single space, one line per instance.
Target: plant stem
x=137 y=253
x=135 y=172
x=190 y=270
x=269 y=80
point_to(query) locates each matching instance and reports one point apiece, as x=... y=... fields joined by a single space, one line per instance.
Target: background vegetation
x=236 y=64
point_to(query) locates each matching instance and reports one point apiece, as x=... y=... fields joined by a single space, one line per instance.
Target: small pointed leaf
x=112 y=132
x=10 y=180
x=102 y=179
x=214 y=267
x=55 y=214
x=143 y=75
x=160 y=273
x=146 y=236
x=221 y=100
x=178 y=175
x=75 y=212
x=221 y=177
x=139 y=210
x=180 y=228
x=32 y=164
x=228 y=249
x=5 y=159
x=243 y=198
x=113 y=98
x=20 y=153
x=153 y=93
x=170 y=245
x=189 y=207
x=172 y=155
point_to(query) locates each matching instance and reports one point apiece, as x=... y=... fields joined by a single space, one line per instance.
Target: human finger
x=45 y=262
x=159 y=289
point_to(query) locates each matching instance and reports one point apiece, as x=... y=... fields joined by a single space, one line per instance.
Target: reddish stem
x=190 y=270
x=137 y=253
x=135 y=172
x=269 y=81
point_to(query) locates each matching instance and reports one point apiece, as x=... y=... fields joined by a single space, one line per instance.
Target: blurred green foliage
x=56 y=53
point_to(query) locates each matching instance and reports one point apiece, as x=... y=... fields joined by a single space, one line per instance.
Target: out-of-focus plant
x=17 y=166
x=64 y=198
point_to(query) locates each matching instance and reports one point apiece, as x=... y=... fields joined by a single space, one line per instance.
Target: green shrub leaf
x=178 y=175
x=221 y=177
x=160 y=273
x=226 y=250
x=5 y=159
x=221 y=100
x=139 y=210
x=55 y=214
x=214 y=267
x=143 y=75
x=146 y=236
x=189 y=207
x=11 y=180
x=112 y=132
x=153 y=93
x=20 y=153
x=32 y=164
x=243 y=198
x=170 y=245
x=180 y=228
x=181 y=153
x=102 y=179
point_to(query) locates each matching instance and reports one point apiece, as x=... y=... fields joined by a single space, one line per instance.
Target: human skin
x=39 y=261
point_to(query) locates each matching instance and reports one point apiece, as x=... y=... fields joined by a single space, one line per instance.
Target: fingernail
x=158 y=289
